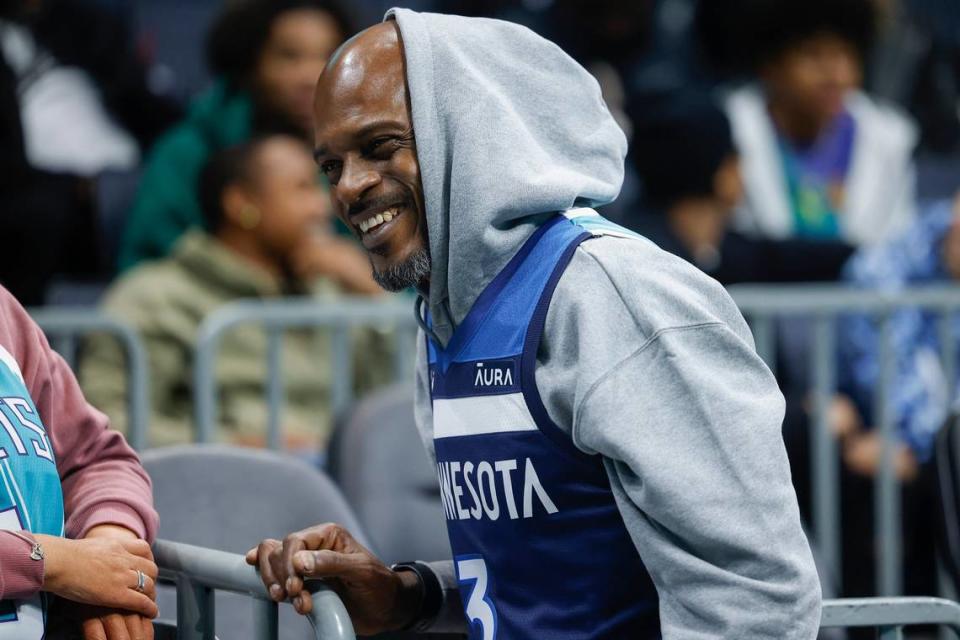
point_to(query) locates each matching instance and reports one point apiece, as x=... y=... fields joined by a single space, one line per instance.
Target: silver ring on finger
x=141 y=581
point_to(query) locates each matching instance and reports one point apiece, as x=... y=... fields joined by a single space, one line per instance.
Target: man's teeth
x=375 y=221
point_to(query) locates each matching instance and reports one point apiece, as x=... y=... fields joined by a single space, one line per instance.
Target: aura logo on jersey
x=484 y=483
x=493 y=375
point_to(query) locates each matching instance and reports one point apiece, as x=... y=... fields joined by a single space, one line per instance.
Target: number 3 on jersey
x=473 y=579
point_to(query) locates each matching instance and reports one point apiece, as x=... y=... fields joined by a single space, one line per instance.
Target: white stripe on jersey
x=480 y=415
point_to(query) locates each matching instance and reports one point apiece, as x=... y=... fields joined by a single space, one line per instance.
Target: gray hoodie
x=644 y=360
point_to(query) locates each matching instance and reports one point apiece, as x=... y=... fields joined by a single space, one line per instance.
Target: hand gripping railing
x=890 y=615
x=198 y=572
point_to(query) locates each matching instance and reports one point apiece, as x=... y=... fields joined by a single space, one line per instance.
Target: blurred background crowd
x=155 y=162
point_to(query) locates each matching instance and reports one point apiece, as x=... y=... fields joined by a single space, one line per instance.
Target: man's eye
x=331 y=171
x=380 y=146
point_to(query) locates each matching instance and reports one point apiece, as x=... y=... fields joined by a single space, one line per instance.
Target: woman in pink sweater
x=76 y=512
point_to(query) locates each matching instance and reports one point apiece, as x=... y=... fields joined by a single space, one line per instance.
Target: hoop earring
x=249 y=217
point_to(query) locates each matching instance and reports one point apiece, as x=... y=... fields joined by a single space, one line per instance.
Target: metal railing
x=891 y=615
x=197 y=572
x=64 y=327
x=277 y=317
x=824 y=304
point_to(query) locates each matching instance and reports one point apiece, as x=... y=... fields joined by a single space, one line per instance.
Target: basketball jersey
x=30 y=495
x=540 y=548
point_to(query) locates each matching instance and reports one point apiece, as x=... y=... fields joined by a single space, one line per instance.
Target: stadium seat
x=230 y=498
x=378 y=459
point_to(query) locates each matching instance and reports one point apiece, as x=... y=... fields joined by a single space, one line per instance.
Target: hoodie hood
x=509 y=130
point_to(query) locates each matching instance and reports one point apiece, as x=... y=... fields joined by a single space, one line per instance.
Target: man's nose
x=356 y=177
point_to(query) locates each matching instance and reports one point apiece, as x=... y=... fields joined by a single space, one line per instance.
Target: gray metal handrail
x=64 y=326
x=890 y=615
x=276 y=317
x=824 y=304
x=198 y=571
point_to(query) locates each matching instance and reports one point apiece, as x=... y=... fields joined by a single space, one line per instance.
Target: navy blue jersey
x=540 y=548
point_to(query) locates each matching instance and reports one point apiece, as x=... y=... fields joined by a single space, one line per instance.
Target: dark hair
x=239 y=33
x=744 y=34
x=225 y=168
x=680 y=142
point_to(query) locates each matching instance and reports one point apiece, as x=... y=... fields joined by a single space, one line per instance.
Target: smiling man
x=607 y=440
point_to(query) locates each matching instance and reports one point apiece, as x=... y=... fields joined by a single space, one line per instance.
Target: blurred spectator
x=74 y=103
x=820 y=158
x=267 y=213
x=926 y=254
x=684 y=154
x=268 y=55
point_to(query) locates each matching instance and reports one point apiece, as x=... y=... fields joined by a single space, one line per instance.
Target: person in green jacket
x=267 y=55
x=271 y=239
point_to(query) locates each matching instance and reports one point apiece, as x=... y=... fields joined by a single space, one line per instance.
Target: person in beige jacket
x=268 y=218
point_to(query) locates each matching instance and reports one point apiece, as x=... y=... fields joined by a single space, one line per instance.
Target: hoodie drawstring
x=418 y=311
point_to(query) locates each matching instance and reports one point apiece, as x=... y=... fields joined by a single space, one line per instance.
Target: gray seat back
x=378 y=459
x=231 y=498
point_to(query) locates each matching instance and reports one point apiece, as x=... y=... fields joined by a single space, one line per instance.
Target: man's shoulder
x=611 y=278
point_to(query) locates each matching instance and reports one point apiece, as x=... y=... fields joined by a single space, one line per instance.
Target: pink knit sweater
x=102 y=479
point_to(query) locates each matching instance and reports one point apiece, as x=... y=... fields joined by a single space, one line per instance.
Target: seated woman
x=75 y=505
x=270 y=238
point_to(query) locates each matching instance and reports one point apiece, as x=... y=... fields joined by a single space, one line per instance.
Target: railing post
x=887 y=489
x=825 y=479
x=265 y=619
x=275 y=395
x=195 y=610
x=894 y=632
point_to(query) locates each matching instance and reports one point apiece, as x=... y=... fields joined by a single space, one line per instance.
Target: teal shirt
x=31 y=498
x=815 y=178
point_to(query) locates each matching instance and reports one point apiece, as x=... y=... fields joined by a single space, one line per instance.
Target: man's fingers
x=303 y=603
x=326 y=564
x=292 y=545
x=93 y=630
x=251 y=556
x=265 y=551
x=327 y=536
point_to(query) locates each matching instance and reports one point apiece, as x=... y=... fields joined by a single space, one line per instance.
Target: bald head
x=362 y=75
x=364 y=145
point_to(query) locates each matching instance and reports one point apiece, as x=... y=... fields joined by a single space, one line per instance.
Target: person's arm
x=106 y=496
x=102 y=479
x=689 y=423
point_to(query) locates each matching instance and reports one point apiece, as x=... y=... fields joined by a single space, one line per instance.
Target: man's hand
x=377 y=598
x=336 y=258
